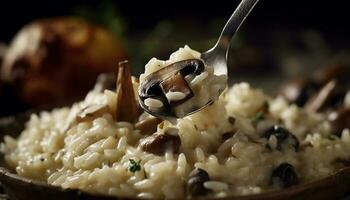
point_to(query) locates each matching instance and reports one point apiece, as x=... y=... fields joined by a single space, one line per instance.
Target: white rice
x=153 y=104
x=95 y=155
x=216 y=186
x=175 y=96
x=198 y=79
x=272 y=142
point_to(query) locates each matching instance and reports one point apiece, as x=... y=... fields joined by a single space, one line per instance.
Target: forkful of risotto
x=189 y=81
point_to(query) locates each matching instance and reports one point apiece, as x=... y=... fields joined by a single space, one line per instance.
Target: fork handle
x=235 y=21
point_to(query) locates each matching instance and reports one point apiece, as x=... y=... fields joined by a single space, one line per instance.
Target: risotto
x=245 y=143
x=181 y=84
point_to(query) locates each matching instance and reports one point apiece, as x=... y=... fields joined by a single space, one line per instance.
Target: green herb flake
x=134 y=166
x=333 y=137
x=258 y=118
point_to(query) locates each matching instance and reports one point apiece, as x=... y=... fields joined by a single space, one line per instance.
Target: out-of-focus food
x=347 y=100
x=337 y=71
x=56 y=61
x=3 y=49
x=340 y=120
x=2 y=54
x=323 y=97
x=326 y=88
x=298 y=90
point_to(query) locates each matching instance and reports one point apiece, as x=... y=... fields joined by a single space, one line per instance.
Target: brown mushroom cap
x=159 y=143
x=148 y=125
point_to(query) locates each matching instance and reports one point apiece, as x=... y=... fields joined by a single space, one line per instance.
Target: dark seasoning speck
x=195 y=182
x=134 y=166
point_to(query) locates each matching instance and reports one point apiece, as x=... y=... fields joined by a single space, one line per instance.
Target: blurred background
x=61 y=46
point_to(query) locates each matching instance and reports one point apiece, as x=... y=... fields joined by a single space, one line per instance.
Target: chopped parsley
x=333 y=137
x=258 y=117
x=134 y=166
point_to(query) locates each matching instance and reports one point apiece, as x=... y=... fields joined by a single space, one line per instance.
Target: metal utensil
x=215 y=57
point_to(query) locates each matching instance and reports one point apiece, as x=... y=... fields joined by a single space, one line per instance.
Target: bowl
x=335 y=186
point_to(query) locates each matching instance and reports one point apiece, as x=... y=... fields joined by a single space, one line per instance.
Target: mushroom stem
x=127 y=108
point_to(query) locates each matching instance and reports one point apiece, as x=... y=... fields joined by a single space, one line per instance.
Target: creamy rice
x=226 y=140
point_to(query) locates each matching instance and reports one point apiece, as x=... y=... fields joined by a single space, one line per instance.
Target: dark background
x=325 y=16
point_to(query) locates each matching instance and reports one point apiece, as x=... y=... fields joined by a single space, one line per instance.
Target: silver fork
x=217 y=56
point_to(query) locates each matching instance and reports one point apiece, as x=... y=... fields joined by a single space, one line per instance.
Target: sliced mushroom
x=317 y=101
x=191 y=66
x=3 y=49
x=185 y=67
x=127 y=108
x=92 y=112
x=170 y=78
x=159 y=143
x=195 y=182
x=176 y=89
x=329 y=95
x=88 y=113
x=148 y=125
x=298 y=91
